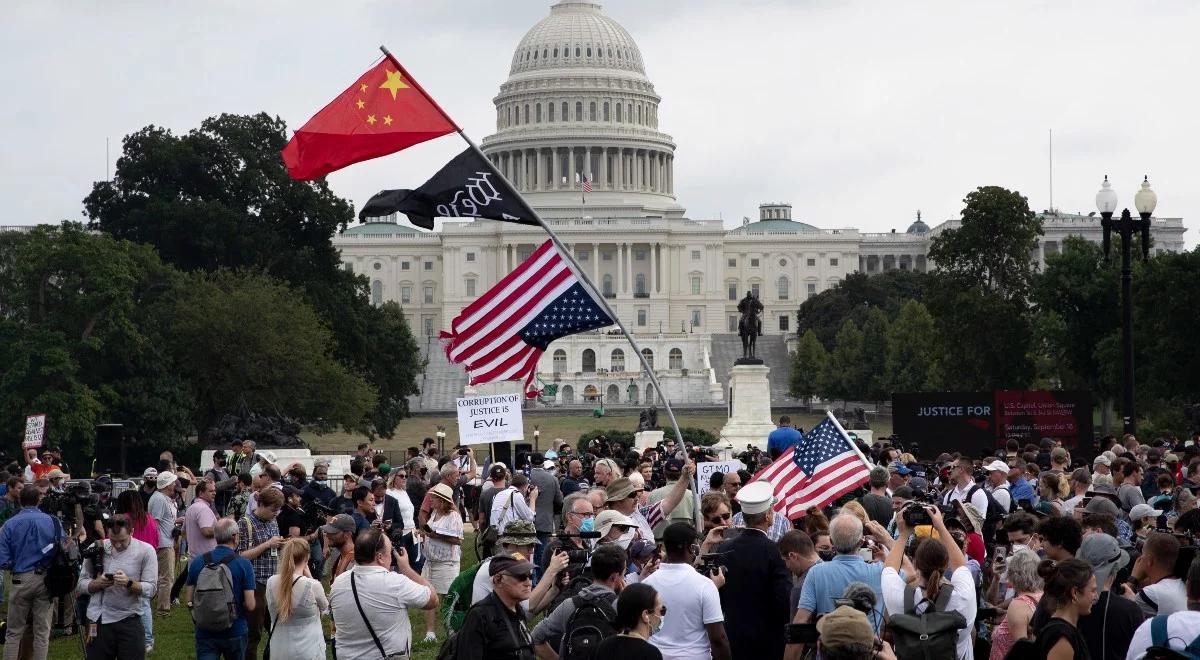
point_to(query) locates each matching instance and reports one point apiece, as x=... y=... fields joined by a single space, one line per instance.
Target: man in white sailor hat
x=757 y=581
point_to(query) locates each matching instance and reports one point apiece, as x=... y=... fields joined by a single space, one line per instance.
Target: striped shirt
x=254 y=532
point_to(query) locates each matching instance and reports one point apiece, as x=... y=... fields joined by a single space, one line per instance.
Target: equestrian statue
x=750 y=325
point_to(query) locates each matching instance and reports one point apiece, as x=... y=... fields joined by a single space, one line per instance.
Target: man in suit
x=757 y=581
x=549 y=504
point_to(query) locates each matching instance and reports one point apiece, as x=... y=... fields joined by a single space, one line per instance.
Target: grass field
x=174 y=635
x=551 y=425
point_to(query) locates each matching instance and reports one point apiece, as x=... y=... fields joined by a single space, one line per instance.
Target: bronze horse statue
x=749 y=325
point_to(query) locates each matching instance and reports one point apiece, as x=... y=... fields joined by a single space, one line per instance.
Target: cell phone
x=108 y=576
x=1001 y=553
x=802 y=633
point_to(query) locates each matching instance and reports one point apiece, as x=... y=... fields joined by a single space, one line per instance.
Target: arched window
x=526 y=119
x=619 y=57
x=639 y=284
x=577 y=51
x=610 y=52
x=510 y=115
x=675 y=359
x=545 y=53
x=617 y=361
x=549 y=112
x=567 y=394
x=639 y=114
x=650 y=394
x=376 y=292
x=565 y=116
x=592 y=111
x=606 y=111
x=649 y=355
x=589 y=361
x=607 y=284
x=535 y=54
x=579 y=110
x=784 y=288
x=556 y=51
x=619 y=106
x=613 y=395
x=559 y=361
x=538 y=113
x=589 y=51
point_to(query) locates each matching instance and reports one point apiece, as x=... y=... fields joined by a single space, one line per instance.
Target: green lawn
x=174 y=635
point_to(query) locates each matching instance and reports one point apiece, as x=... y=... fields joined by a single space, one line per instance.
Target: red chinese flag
x=383 y=112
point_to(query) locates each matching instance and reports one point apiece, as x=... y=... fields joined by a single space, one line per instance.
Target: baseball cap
x=166 y=479
x=673 y=465
x=514 y=564
x=1140 y=511
x=150 y=473
x=997 y=466
x=55 y=474
x=1103 y=505
x=1102 y=459
x=845 y=626
x=1104 y=554
x=900 y=469
x=342 y=522
x=518 y=532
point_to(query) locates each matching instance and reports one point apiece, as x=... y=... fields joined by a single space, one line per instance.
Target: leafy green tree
x=992 y=246
x=808 y=366
x=874 y=356
x=219 y=197
x=853 y=297
x=844 y=374
x=983 y=340
x=1165 y=318
x=81 y=340
x=910 y=356
x=246 y=341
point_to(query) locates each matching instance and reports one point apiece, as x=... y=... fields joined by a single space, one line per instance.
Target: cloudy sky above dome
x=858 y=113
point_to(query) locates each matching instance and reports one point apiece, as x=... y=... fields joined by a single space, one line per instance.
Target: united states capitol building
x=578 y=106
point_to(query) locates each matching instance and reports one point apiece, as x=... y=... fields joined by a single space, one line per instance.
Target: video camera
x=915 y=513
x=711 y=563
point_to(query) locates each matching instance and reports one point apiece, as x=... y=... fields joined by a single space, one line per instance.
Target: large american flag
x=587 y=185
x=501 y=335
x=822 y=467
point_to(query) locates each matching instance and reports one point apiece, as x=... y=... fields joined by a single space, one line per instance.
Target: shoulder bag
x=379 y=645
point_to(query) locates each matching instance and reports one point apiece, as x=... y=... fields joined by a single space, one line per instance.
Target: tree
x=808 y=366
x=992 y=246
x=1165 y=318
x=844 y=374
x=874 y=356
x=983 y=340
x=245 y=341
x=910 y=357
x=80 y=339
x=853 y=297
x=219 y=197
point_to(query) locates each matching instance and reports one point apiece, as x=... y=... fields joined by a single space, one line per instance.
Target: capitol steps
x=771 y=348
x=441 y=383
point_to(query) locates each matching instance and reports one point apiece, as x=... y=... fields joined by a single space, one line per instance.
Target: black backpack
x=991 y=521
x=1159 y=650
x=62 y=572
x=590 y=624
x=929 y=636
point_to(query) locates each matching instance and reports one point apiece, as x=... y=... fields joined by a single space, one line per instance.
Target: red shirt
x=974 y=548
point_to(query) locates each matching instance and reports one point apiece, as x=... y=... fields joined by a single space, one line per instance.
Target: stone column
x=587 y=164
x=534 y=172
x=571 y=167
x=620 y=276
x=604 y=167
x=628 y=267
x=619 y=165
x=554 y=169
x=654 y=268
x=596 y=266
x=671 y=175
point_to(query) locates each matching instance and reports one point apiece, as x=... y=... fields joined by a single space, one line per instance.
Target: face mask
x=588 y=525
x=825 y=555
x=323 y=482
x=654 y=630
x=625 y=540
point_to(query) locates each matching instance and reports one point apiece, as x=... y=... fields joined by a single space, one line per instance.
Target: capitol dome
x=578 y=106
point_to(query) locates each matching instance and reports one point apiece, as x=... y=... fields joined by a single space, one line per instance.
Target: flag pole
x=853 y=445
x=566 y=254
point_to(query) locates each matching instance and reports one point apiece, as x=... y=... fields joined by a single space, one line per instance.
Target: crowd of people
x=1026 y=550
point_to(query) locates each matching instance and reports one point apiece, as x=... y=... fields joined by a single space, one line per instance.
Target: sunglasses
x=662 y=611
x=523 y=577
x=717 y=520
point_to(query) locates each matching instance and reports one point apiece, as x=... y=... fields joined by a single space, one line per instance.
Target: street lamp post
x=1106 y=201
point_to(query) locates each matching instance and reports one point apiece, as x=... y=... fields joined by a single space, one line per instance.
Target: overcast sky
x=858 y=113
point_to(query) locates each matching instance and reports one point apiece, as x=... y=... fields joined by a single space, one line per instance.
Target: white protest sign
x=705 y=471
x=495 y=418
x=35 y=431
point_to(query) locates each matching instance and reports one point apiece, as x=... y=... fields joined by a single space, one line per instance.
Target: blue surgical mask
x=588 y=525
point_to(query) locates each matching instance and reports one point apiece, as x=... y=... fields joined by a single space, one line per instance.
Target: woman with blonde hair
x=855 y=509
x=295 y=602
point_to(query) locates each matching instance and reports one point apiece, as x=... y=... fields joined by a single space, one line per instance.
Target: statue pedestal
x=749 y=407
x=644 y=439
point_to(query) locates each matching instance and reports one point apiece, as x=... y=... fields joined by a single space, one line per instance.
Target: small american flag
x=587 y=185
x=822 y=467
x=501 y=335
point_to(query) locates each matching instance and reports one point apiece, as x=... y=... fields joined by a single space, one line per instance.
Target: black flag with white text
x=467 y=187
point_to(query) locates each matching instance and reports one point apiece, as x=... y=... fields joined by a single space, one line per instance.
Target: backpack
x=929 y=636
x=213 y=606
x=1158 y=643
x=991 y=521
x=590 y=624
x=458 y=599
x=62 y=572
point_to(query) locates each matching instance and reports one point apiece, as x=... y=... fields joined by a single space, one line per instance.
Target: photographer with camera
x=931 y=594
x=562 y=631
x=695 y=628
x=116 y=577
x=578 y=517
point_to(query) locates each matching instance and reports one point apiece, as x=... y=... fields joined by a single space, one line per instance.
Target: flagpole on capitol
x=853 y=445
x=566 y=254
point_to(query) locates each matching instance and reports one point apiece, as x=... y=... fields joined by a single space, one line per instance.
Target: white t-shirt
x=979 y=499
x=1169 y=594
x=1182 y=628
x=692 y=602
x=1002 y=496
x=962 y=599
x=385 y=598
x=406 y=507
x=518 y=509
x=164 y=512
x=482 y=586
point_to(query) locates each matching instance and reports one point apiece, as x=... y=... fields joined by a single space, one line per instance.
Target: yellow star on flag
x=360 y=104
x=394 y=83
x=363 y=87
x=371 y=119
x=387 y=120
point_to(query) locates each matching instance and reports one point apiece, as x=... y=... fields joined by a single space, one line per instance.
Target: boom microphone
x=577 y=535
